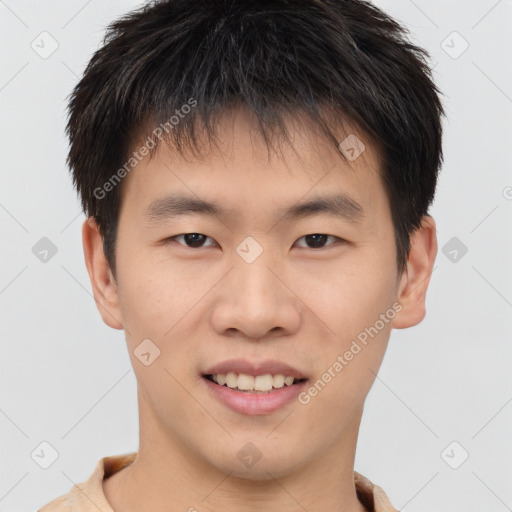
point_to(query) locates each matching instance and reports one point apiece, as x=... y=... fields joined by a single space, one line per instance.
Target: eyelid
x=326 y=234
x=172 y=239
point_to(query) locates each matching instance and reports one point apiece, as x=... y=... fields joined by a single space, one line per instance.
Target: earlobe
x=414 y=282
x=102 y=280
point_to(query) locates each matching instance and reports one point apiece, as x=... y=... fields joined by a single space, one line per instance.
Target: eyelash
x=172 y=239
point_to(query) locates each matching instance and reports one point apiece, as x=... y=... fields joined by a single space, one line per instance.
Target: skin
x=295 y=303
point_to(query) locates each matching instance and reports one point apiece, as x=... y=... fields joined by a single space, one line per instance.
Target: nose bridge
x=254 y=300
x=255 y=285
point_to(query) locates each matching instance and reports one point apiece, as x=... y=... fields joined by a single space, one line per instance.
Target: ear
x=103 y=283
x=414 y=281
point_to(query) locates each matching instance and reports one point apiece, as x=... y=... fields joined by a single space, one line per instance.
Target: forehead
x=238 y=176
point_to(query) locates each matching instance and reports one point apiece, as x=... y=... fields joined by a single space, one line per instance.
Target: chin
x=261 y=472
x=260 y=468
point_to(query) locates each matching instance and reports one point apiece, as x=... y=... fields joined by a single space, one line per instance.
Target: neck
x=167 y=476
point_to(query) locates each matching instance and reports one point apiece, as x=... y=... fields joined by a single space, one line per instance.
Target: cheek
x=163 y=302
x=355 y=306
x=148 y=299
x=347 y=295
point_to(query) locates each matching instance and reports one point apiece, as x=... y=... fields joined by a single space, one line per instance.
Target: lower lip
x=255 y=403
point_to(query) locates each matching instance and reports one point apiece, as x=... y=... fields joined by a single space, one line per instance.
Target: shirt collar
x=89 y=496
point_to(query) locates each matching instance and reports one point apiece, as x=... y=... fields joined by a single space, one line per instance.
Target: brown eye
x=317 y=240
x=191 y=240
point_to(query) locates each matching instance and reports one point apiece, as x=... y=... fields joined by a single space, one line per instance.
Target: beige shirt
x=89 y=496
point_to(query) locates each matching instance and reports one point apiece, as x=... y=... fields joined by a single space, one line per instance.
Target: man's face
x=253 y=285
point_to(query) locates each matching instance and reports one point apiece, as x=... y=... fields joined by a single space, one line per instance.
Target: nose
x=255 y=300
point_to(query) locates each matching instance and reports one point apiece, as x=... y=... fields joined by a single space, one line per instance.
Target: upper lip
x=253 y=368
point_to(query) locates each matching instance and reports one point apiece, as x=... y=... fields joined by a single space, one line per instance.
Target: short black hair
x=278 y=58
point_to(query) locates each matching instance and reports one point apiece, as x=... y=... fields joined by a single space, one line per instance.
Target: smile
x=251 y=401
x=260 y=384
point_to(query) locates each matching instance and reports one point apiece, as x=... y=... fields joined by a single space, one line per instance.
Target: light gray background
x=65 y=377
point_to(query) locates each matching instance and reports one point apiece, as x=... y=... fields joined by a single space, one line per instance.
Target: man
x=257 y=177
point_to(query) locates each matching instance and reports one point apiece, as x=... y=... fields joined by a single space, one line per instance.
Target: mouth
x=253 y=384
x=254 y=388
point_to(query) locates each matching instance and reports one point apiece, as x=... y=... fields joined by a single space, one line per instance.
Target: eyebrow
x=338 y=205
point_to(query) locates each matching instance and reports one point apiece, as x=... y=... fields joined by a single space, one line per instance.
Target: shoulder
x=82 y=495
x=60 y=504
x=372 y=496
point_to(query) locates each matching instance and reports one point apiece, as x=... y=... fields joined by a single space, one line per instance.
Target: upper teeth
x=250 y=383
